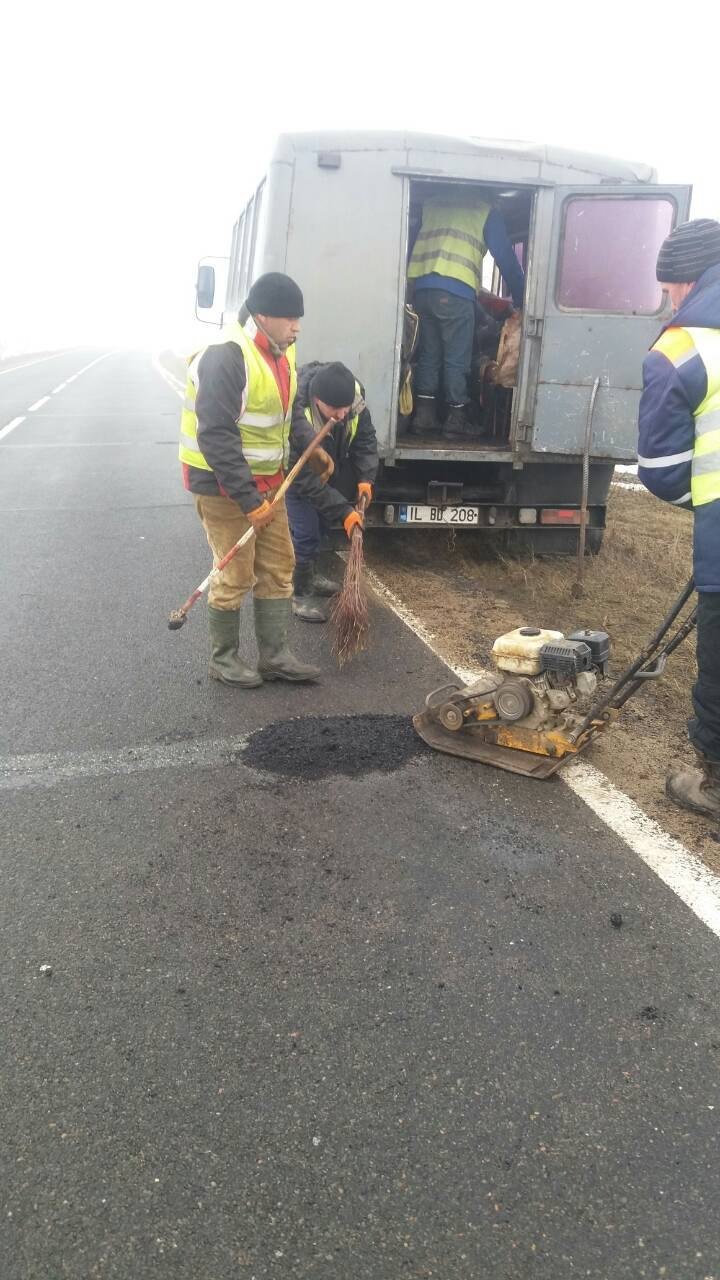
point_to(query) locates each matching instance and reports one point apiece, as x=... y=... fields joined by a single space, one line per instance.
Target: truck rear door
x=602 y=311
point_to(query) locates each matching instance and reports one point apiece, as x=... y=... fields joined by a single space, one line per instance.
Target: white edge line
x=11 y=426
x=60 y=388
x=678 y=868
x=38 y=404
x=174 y=383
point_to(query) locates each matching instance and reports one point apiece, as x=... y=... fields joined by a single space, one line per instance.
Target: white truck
x=337 y=211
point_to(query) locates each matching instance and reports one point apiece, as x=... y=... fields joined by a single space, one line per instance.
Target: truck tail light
x=560 y=515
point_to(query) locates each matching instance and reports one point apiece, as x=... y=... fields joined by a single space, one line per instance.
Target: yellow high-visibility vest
x=263 y=423
x=450 y=242
x=678 y=345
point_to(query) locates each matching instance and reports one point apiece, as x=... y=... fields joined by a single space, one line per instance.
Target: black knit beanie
x=275 y=294
x=334 y=384
x=688 y=251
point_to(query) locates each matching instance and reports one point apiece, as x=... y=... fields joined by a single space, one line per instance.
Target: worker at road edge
x=679 y=461
x=446 y=271
x=324 y=495
x=234 y=444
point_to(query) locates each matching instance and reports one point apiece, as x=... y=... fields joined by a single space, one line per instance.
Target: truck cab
x=339 y=212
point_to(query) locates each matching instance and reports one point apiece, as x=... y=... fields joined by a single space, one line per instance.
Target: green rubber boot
x=225 y=665
x=272 y=619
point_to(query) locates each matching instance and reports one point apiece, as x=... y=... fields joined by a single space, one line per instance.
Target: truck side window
x=608 y=251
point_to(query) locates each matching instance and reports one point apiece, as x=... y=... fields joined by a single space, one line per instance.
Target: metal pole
x=578 y=588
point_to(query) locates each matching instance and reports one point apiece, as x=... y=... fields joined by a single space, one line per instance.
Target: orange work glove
x=261 y=516
x=353 y=521
x=322 y=464
x=365 y=490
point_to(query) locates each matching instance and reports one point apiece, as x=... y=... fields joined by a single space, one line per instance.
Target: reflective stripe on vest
x=353 y=418
x=705 y=483
x=263 y=424
x=450 y=242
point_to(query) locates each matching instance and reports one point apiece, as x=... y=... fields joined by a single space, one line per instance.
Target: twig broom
x=350 y=612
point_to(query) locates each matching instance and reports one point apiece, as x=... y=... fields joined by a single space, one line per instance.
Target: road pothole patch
x=312 y=747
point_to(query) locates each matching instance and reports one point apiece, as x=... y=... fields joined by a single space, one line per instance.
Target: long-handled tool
x=350 y=611
x=540 y=707
x=178 y=616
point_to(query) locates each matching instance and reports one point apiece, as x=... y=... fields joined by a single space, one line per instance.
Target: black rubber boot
x=225 y=665
x=425 y=422
x=457 y=425
x=272 y=619
x=306 y=606
x=322 y=586
x=696 y=789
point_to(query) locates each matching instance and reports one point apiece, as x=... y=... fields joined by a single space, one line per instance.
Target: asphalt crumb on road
x=322 y=746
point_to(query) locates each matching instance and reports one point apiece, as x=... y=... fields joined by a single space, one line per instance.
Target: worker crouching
x=234 y=444
x=340 y=474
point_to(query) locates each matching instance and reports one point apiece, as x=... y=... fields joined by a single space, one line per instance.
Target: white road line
x=675 y=865
x=90 y=365
x=48 y=770
x=30 y=363
x=174 y=383
x=60 y=388
x=5 y=431
x=11 y=426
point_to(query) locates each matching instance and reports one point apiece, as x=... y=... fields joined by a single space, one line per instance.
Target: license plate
x=440 y=515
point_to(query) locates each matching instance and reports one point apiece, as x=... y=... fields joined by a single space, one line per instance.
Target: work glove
x=261 y=516
x=352 y=522
x=322 y=464
x=365 y=490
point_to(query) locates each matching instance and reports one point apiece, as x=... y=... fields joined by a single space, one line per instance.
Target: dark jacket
x=354 y=462
x=672 y=391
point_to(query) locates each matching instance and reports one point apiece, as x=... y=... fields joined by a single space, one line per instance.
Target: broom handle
x=361 y=508
x=250 y=533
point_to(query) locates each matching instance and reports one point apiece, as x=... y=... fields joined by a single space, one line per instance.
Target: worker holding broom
x=234 y=444
x=679 y=461
x=330 y=495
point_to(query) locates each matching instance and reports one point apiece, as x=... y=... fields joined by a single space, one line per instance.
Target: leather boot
x=425 y=422
x=457 y=425
x=272 y=619
x=696 y=789
x=306 y=606
x=225 y=665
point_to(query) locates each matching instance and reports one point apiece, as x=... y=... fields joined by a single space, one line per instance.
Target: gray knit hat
x=688 y=251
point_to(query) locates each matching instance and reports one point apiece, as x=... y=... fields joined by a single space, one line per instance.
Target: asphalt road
x=369 y=1024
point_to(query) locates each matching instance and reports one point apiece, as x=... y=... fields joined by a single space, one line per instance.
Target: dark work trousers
x=704 y=728
x=307 y=526
x=447 y=327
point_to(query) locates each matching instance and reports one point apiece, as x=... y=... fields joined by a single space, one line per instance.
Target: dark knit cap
x=275 y=294
x=688 y=251
x=334 y=384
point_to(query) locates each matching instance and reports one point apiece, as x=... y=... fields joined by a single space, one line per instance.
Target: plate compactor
x=542 y=705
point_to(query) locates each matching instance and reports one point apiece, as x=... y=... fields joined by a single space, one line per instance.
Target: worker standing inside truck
x=234 y=442
x=446 y=271
x=329 y=495
x=679 y=461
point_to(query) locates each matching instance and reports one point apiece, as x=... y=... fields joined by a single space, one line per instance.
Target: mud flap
x=470 y=745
